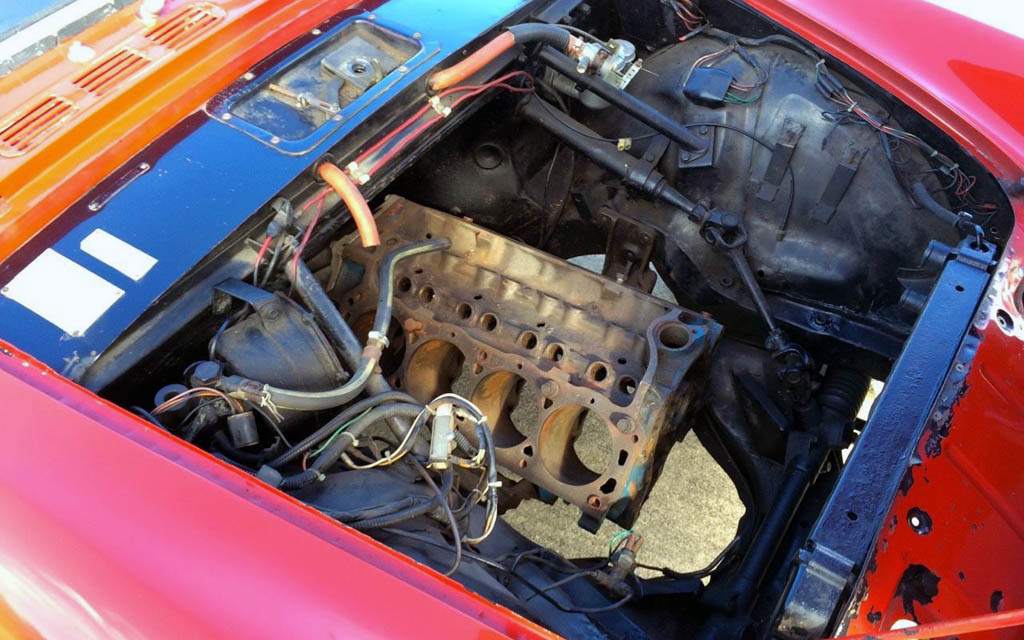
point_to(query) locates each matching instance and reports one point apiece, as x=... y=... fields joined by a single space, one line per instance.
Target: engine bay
x=404 y=338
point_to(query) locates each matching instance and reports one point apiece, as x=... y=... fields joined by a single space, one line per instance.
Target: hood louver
x=181 y=29
x=34 y=126
x=109 y=73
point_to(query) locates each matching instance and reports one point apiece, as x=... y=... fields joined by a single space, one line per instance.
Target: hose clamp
x=379 y=338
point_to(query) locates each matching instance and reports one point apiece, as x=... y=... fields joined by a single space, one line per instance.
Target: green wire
x=615 y=539
x=735 y=99
x=334 y=435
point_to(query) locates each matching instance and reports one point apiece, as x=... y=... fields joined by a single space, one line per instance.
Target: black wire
x=785 y=41
x=699 y=573
x=766 y=145
x=452 y=522
x=495 y=565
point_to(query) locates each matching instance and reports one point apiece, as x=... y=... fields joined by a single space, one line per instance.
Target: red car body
x=112 y=528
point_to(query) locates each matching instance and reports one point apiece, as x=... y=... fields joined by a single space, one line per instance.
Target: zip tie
x=357 y=173
x=819 y=63
x=496 y=484
x=441 y=109
x=268 y=404
x=379 y=338
x=851 y=107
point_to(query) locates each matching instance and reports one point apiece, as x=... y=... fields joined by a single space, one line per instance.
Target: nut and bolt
x=624 y=424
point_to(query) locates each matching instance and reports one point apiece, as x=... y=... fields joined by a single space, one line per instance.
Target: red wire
x=473 y=90
x=259 y=255
x=306 y=235
x=478 y=88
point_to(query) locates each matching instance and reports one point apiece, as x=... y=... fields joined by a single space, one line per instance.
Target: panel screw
x=226 y=116
x=249 y=76
x=316 y=32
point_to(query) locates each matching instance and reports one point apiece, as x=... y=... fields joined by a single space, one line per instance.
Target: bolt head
x=549 y=388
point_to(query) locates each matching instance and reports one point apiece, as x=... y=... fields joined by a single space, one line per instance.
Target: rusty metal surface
x=603 y=361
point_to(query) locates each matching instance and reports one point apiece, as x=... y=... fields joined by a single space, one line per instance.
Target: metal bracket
x=703 y=157
x=779 y=162
x=628 y=252
x=235 y=289
x=837 y=185
x=836 y=552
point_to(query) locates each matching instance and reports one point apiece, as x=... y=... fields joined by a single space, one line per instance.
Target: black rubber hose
x=550 y=34
x=334 y=325
x=338 y=331
x=626 y=102
x=332 y=425
x=386 y=276
x=318 y=400
x=928 y=201
x=638 y=173
x=410 y=512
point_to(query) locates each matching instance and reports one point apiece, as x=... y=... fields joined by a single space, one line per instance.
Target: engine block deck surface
x=604 y=362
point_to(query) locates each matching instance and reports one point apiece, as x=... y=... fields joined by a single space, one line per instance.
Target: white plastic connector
x=442 y=435
x=442 y=109
x=356 y=172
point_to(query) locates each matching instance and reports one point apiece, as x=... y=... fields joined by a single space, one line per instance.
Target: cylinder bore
x=432 y=370
x=504 y=398
x=674 y=335
x=575 y=445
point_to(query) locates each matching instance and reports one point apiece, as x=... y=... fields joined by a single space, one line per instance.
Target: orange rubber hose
x=945 y=628
x=355 y=202
x=472 y=63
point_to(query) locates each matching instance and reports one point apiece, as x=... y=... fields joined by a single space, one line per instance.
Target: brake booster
x=512 y=323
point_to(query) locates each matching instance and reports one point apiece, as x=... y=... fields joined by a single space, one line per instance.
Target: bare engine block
x=506 y=324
